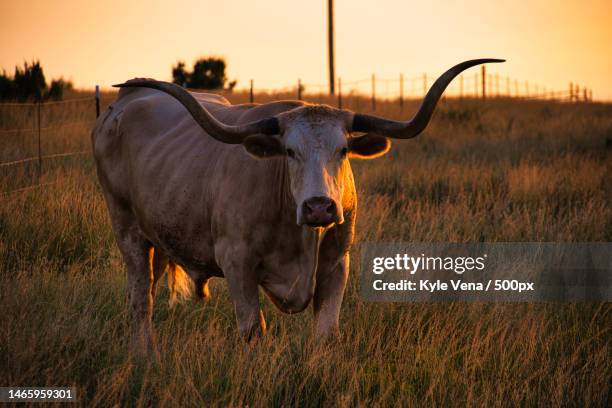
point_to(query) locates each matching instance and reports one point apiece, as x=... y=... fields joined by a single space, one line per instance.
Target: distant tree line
x=207 y=73
x=29 y=83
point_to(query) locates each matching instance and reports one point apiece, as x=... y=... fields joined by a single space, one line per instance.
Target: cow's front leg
x=332 y=276
x=239 y=270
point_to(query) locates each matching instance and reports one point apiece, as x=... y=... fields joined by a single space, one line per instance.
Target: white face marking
x=317 y=158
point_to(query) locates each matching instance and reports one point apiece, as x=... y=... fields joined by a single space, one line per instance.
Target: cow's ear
x=368 y=147
x=263 y=146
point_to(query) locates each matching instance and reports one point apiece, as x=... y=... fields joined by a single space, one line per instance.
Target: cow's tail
x=179 y=283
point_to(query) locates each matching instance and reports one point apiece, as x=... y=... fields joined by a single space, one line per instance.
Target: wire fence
x=477 y=85
x=44 y=119
x=48 y=131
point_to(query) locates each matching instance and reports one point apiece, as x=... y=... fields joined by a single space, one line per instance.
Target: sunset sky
x=277 y=41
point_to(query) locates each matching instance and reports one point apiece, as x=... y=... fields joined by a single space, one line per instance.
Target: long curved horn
x=220 y=131
x=406 y=130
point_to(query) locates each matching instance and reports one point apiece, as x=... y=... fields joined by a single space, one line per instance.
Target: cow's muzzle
x=319 y=212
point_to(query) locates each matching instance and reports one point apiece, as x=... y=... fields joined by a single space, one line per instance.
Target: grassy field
x=495 y=170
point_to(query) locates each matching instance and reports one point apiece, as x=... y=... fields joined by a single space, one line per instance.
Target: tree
x=7 y=87
x=208 y=73
x=29 y=83
x=57 y=88
x=179 y=75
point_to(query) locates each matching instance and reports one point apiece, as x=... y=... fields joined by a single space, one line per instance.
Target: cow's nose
x=319 y=211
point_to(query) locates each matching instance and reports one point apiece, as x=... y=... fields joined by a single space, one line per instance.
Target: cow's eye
x=343 y=152
x=291 y=153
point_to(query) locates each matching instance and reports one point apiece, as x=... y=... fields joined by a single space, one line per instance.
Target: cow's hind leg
x=136 y=252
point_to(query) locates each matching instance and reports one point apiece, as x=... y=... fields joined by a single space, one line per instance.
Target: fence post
x=39 y=106
x=483 y=73
x=97 y=101
x=339 y=93
x=401 y=96
x=590 y=95
x=251 y=97
x=571 y=92
x=373 y=92
x=424 y=83
x=299 y=90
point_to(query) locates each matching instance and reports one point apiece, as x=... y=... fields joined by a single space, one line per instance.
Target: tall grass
x=498 y=170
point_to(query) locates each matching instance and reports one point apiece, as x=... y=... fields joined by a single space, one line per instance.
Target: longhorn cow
x=260 y=194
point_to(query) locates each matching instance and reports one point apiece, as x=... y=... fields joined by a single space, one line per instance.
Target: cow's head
x=316 y=141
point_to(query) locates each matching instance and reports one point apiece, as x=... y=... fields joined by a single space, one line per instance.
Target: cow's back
x=156 y=161
x=144 y=126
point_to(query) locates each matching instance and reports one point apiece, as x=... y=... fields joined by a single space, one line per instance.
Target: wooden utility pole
x=330 y=41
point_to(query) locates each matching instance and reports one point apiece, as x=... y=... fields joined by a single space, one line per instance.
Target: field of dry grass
x=494 y=170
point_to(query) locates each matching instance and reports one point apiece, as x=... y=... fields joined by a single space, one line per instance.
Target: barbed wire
x=6 y=194
x=49 y=156
x=24 y=104
x=58 y=126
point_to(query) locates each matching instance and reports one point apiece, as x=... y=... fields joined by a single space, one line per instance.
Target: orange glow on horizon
x=278 y=41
